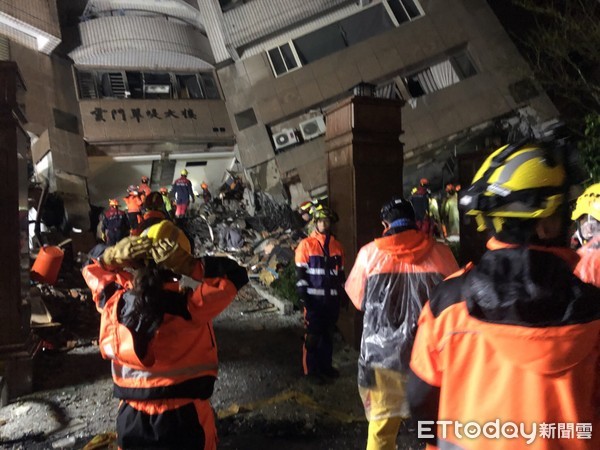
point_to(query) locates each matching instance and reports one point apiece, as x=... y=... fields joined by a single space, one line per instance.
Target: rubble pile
x=261 y=236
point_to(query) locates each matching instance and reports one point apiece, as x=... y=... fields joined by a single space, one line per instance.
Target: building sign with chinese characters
x=126 y=120
x=137 y=114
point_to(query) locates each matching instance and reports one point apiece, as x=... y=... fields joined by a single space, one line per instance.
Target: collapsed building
x=294 y=98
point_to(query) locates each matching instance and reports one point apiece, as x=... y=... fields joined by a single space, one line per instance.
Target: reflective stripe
x=302 y=283
x=301 y=264
x=320 y=271
x=321 y=292
x=125 y=372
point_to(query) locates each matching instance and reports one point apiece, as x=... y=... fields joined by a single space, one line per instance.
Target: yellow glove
x=169 y=254
x=126 y=251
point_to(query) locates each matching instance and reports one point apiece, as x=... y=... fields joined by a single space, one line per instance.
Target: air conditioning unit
x=312 y=128
x=285 y=138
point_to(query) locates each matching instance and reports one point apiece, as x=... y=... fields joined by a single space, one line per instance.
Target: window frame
x=299 y=65
x=96 y=76
x=298 y=60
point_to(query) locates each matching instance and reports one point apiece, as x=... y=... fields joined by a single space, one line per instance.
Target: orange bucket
x=47 y=265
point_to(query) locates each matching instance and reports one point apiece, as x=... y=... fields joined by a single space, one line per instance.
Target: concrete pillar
x=364 y=170
x=17 y=344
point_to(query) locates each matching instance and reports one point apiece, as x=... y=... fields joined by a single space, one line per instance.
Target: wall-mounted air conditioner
x=285 y=138
x=312 y=128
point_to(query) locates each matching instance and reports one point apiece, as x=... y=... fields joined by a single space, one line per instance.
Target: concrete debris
x=263 y=241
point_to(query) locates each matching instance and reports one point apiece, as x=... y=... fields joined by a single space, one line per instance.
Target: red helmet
x=204 y=185
x=450 y=187
x=424 y=182
x=163 y=190
x=145 y=179
x=154 y=201
x=113 y=202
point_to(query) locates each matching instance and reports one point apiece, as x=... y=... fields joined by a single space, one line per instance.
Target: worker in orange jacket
x=391 y=280
x=587 y=215
x=144 y=188
x=507 y=352
x=134 y=203
x=160 y=340
x=320 y=271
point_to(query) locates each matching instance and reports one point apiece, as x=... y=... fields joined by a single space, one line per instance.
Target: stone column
x=17 y=344
x=364 y=170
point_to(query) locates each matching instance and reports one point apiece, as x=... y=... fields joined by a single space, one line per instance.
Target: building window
x=146 y=85
x=227 y=5
x=342 y=34
x=283 y=59
x=440 y=75
x=405 y=10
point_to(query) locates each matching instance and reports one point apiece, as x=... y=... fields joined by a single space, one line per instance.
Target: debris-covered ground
x=261 y=399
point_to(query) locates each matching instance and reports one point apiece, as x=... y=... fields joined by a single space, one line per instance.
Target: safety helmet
x=113 y=202
x=457 y=187
x=204 y=185
x=132 y=188
x=145 y=179
x=167 y=230
x=424 y=182
x=154 y=201
x=323 y=212
x=588 y=203
x=518 y=181
x=163 y=190
x=184 y=172
x=396 y=209
x=305 y=207
x=450 y=188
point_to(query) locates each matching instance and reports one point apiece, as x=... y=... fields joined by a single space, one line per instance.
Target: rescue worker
x=167 y=201
x=515 y=339
x=144 y=188
x=450 y=215
x=587 y=216
x=134 y=202
x=206 y=195
x=160 y=338
x=426 y=208
x=391 y=280
x=154 y=211
x=320 y=270
x=182 y=192
x=115 y=225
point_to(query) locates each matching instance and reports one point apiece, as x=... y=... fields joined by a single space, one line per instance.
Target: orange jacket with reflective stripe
x=181 y=358
x=319 y=276
x=517 y=339
x=134 y=203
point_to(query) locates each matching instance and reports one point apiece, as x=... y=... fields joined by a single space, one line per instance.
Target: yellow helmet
x=167 y=230
x=520 y=181
x=184 y=172
x=588 y=203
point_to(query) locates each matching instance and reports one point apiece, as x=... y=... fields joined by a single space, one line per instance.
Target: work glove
x=169 y=254
x=126 y=251
x=221 y=266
